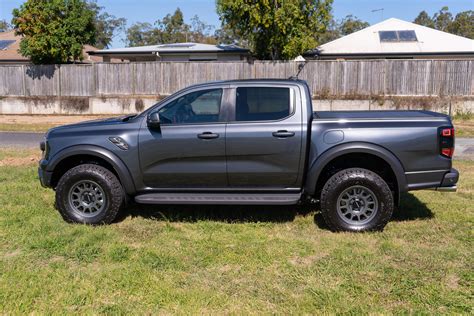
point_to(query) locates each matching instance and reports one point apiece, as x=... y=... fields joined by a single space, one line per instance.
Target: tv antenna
x=379 y=10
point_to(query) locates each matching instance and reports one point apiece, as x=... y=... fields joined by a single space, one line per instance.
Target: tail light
x=446 y=141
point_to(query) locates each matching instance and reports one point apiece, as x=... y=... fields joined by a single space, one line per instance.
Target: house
x=10 y=44
x=396 y=39
x=175 y=52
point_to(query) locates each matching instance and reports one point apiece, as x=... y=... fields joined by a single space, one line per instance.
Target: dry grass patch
x=41 y=123
x=464 y=127
x=12 y=157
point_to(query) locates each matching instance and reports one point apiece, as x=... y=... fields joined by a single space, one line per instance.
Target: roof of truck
x=237 y=81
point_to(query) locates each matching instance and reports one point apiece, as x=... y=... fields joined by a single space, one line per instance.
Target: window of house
x=398 y=36
x=407 y=36
x=262 y=104
x=388 y=36
x=5 y=43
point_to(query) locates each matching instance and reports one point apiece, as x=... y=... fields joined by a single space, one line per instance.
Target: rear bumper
x=448 y=184
x=453 y=188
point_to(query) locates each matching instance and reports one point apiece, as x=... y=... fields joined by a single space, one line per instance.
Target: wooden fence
x=326 y=78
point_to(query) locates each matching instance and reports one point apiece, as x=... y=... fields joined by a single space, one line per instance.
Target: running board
x=219 y=198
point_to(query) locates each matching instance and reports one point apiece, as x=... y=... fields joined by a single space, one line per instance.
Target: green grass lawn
x=233 y=260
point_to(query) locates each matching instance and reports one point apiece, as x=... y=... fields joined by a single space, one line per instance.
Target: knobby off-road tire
x=89 y=194
x=356 y=199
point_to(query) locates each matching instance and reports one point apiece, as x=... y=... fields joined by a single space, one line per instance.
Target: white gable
x=367 y=41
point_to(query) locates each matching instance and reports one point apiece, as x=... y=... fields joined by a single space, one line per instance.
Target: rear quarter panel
x=414 y=143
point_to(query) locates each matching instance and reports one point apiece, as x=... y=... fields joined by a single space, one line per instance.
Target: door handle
x=283 y=134
x=208 y=135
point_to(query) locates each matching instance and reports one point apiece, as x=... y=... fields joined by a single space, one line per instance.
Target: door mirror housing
x=153 y=120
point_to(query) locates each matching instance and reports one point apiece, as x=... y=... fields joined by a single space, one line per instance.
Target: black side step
x=219 y=198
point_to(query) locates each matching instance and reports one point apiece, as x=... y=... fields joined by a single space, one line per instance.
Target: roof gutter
x=394 y=54
x=166 y=52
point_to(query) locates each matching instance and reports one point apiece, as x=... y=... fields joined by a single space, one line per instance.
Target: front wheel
x=356 y=199
x=89 y=194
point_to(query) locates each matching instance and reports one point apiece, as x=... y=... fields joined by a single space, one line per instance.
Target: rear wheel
x=89 y=194
x=356 y=199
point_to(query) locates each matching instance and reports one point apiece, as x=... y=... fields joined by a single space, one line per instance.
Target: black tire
x=95 y=179
x=342 y=209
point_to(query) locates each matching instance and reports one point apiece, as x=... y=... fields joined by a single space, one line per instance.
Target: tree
x=54 y=31
x=443 y=19
x=107 y=26
x=346 y=26
x=200 y=32
x=463 y=24
x=170 y=29
x=225 y=35
x=351 y=24
x=424 y=19
x=4 y=26
x=277 y=29
x=332 y=32
x=141 y=34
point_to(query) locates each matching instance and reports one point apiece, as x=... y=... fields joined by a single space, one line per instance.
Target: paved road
x=464 y=146
x=20 y=140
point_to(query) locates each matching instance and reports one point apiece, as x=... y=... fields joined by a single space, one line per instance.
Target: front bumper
x=44 y=176
x=448 y=184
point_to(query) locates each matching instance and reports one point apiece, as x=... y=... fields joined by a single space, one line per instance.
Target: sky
x=151 y=10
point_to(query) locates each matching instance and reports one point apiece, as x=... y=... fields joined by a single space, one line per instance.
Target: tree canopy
x=343 y=27
x=462 y=24
x=4 y=26
x=170 y=29
x=424 y=19
x=278 y=29
x=54 y=31
x=107 y=26
x=351 y=24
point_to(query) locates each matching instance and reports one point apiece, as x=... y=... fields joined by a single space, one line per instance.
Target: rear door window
x=262 y=104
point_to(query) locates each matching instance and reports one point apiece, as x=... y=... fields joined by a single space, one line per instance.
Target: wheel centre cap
x=357 y=205
x=88 y=197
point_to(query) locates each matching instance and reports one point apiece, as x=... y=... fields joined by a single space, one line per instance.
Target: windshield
x=154 y=106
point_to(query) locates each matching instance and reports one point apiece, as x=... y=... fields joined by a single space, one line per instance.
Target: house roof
x=11 y=54
x=368 y=41
x=173 y=48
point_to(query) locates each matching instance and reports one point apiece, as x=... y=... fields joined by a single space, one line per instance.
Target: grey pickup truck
x=249 y=142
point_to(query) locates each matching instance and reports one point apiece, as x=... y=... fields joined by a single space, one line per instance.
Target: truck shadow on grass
x=222 y=213
x=411 y=208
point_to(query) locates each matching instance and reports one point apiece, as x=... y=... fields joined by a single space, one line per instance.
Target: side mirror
x=153 y=120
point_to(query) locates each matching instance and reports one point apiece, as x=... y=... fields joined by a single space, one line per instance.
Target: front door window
x=197 y=107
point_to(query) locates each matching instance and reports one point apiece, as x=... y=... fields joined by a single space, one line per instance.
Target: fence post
x=59 y=87
x=134 y=78
x=23 y=79
x=94 y=80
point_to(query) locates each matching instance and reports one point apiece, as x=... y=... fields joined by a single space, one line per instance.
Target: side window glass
x=262 y=104
x=196 y=107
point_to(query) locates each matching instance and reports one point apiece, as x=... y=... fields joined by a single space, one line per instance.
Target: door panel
x=188 y=148
x=177 y=157
x=264 y=153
